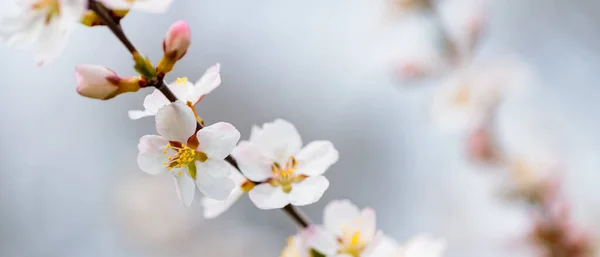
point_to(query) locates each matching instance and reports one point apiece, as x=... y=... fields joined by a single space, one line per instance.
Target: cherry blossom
x=192 y=157
x=422 y=246
x=183 y=90
x=347 y=232
x=289 y=173
x=45 y=23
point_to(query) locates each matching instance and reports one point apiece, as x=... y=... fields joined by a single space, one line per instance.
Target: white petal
x=176 y=122
x=51 y=42
x=320 y=239
x=151 y=158
x=218 y=140
x=266 y=196
x=181 y=89
x=254 y=133
x=210 y=80
x=316 y=157
x=367 y=225
x=136 y=114
x=280 y=139
x=212 y=179
x=382 y=246
x=22 y=29
x=338 y=214
x=213 y=208
x=424 y=246
x=185 y=188
x=154 y=6
x=308 y=191
x=255 y=165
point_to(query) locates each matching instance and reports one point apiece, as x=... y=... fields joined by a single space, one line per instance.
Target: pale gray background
x=65 y=158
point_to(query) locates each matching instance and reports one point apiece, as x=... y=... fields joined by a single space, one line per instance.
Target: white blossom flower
x=422 y=246
x=296 y=247
x=213 y=208
x=183 y=90
x=154 y=6
x=346 y=231
x=45 y=23
x=291 y=174
x=189 y=155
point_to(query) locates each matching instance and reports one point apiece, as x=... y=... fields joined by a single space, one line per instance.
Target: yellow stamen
x=182 y=80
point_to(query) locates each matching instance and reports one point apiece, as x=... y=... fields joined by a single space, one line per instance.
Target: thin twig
x=295 y=214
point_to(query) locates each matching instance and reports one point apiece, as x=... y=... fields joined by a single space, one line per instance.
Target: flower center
x=284 y=175
x=51 y=7
x=462 y=97
x=183 y=156
x=351 y=243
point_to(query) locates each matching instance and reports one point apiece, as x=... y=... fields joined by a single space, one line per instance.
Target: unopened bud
x=99 y=82
x=175 y=45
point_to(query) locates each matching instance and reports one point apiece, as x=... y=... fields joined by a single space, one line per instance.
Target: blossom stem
x=102 y=12
x=451 y=48
x=296 y=215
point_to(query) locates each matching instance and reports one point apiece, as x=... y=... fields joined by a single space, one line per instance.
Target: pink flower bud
x=177 y=40
x=99 y=82
x=95 y=81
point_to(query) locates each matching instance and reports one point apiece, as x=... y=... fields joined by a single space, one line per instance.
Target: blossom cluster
x=272 y=166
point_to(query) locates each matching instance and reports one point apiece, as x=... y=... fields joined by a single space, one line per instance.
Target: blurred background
x=70 y=185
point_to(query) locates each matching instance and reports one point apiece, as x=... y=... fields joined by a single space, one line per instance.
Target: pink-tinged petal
x=218 y=140
x=212 y=179
x=176 y=122
x=316 y=157
x=210 y=80
x=265 y=196
x=309 y=191
x=95 y=81
x=338 y=214
x=186 y=188
x=255 y=165
x=280 y=140
x=151 y=157
x=178 y=40
x=320 y=239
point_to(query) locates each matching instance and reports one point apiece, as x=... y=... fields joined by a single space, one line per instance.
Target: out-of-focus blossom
x=213 y=208
x=346 y=231
x=99 y=82
x=422 y=246
x=192 y=157
x=464 y=22
x=469 y=97
x=45 y=23
x=183 y=90
x=175 y=45
x=291 y=174
x=482 y=146
x=296 y=247
x=154 y=6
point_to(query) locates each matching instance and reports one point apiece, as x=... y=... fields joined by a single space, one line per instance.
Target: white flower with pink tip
x=192 y=157
x=154 y=6
x=183 y=90
x=287 y=173
x=45 y=23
